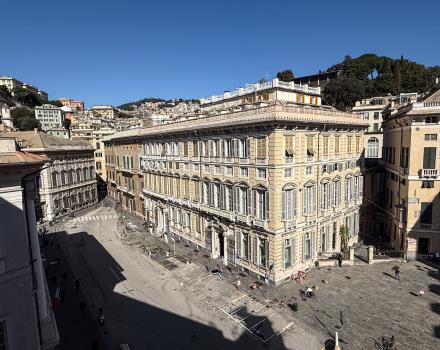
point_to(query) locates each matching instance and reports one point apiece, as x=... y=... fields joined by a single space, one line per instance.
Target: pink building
x=75 y=104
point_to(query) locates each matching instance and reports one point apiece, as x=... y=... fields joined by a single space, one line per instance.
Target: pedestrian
x=101 y=316
x=397 y=272
x=82 y=306
x=76 y=284
x=340 y=260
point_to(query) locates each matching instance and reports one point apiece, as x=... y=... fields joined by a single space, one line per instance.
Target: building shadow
x=130 y=318
x=435 y=307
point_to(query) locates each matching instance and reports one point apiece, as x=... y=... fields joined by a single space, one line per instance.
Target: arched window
x=261 y=202
x=325 y=195
x=309 y=195
x=55 y=179
x=85 y=174
x=372 y=148
x=215 y=196
x=64 y=178
x=72 y=176
x=78 y=175
x=289 y=206
x=241 y=199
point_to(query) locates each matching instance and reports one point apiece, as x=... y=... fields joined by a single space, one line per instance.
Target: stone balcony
x=428 y=173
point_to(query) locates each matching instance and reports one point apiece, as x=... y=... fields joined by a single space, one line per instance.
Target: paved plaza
x=361 y=302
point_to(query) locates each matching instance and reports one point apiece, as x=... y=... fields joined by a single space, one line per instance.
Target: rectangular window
x=309 y=200
x=287 y=252
x=262 y=251
x=288 y=172
x=325 y=145
x=309 y=170
x=429 y=154
x=229 y=170
x=217 y=169
x=289 y=204
x=376 y=115
x=289 y=146
x=358 y=144
x=430 y=137
x=261 y=147
x=349 y=144
x=337 y=144
x=195 y=148
x=185 y=149
x=426 y=213
x=261 y=173
x=404 y=153
x=244 y=172
x=206 y=168
x=245 y=245
x=307 y=246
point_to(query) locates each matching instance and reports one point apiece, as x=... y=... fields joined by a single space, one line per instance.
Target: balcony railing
x=428 y=172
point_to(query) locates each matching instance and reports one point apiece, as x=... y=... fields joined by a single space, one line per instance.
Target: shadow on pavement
x=138 y=323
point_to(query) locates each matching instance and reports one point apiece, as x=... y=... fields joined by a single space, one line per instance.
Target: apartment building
x=11 y=83
x=260 y=94
x=74 y=104
x=26 y=318
x=102 y=111
x=69 y=184
x=267 y=188
x=50 y=117
x=411 y=148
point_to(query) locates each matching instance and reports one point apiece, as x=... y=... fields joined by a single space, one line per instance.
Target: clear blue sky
x=112 y=52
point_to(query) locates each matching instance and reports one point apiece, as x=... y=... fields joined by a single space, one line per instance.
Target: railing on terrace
x=261 y=86
x=252 y=111
x=426 y=105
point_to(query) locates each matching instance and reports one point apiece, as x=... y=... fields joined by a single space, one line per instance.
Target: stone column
x=351 y=254
x=35 y=247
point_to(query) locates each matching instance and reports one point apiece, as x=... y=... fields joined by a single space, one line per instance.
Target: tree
x=285 y=75
x=24 y=119
x=342 y=93
x=4 y=93
x=26 y=97
x=55 y=103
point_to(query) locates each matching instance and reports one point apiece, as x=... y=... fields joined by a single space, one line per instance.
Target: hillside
x=371 y=75
x=131 y=106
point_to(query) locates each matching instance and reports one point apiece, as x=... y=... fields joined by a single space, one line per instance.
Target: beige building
x=10 y=82
x=411 y=148
x=267 y=188
x=69 y=183
x=101 y=111
x=260 y=94
x=49 y=116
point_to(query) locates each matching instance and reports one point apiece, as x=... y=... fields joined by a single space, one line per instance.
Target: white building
x=50 y=117
x=26 y=318
x=5 y=116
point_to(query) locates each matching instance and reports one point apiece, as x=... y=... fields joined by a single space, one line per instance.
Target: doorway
x=423 y=245
x=221 y=244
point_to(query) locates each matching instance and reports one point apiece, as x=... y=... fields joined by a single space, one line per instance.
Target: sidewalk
x=77 y=330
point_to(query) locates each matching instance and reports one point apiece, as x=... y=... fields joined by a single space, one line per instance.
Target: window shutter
x=236 y=199
x=304 y=200
x=238 y=244
x=266 y=205
x=283 y=258
x=293 y=250
x=255 y=250
x=321 y=197
x=303 y=248
x=222 y=196
x=283 y=206
x=250 y=207
x=266 y=252
x=248 y=147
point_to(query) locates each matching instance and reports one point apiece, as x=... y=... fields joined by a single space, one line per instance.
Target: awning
x=290 y=152
x=310 y=151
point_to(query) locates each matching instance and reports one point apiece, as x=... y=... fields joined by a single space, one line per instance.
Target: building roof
x=435 y=97
x=38 y=140
x=11 y=156
x=275 y=113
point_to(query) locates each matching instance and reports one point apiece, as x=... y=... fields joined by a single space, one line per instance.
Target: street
x=149 y=307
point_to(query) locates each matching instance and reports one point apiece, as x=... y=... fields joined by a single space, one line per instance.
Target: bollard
x=370 y=253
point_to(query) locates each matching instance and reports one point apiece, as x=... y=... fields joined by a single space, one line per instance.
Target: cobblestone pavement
x=361 y=302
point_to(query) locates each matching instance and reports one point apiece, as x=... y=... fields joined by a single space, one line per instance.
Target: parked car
x=434 y=256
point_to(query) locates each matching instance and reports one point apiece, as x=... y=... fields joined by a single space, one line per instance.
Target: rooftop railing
x=259 y=87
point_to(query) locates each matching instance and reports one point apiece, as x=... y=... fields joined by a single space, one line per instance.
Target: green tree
x=55 y=103
x=4 y=93
x=24 y=119
x=343 y=92
x=285 y=75
x=26 y=97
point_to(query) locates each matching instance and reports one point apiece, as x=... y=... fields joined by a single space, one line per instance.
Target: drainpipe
x=35 y=256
